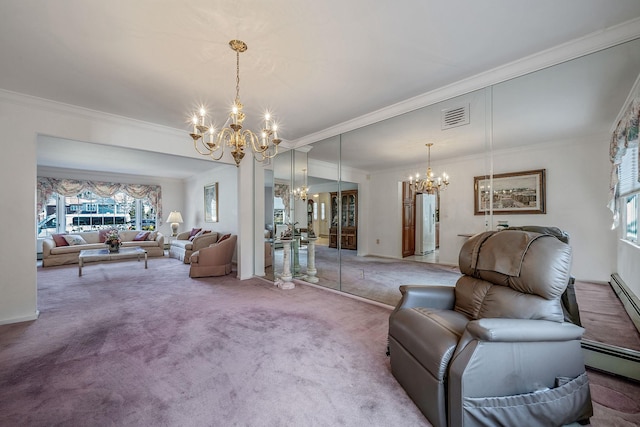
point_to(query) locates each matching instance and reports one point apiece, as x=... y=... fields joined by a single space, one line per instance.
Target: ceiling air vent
x=456 y=116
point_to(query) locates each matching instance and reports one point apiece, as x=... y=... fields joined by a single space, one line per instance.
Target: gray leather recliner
x=495 y=349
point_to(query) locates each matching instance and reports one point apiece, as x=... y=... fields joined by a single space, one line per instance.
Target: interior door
x=408 y=220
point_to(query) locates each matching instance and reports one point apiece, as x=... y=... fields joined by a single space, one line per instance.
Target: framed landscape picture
x=511 y=193
x=211 y=202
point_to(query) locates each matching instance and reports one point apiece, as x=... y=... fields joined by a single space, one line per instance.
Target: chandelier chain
x=237 y=76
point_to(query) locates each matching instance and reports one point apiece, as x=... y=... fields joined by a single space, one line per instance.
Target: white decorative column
x=284 y=282
x=311 y=260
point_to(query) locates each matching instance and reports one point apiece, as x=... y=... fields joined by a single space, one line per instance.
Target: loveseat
x=58 y=254
x=188 y=242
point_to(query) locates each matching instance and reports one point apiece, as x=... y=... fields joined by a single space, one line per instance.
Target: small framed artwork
x=510 y=193
x=211 y=202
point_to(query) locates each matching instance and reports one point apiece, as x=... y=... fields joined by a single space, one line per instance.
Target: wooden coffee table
x=99 y=255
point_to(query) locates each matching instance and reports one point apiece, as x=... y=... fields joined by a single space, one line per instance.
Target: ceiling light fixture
x=301 y=193
x=429 y=184
x=264 y=147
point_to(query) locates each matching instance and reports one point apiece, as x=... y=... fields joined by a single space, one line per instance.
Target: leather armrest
x=523 y=330
x=438 y=297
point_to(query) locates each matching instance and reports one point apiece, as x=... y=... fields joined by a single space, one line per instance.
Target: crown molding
x=62 y=108
x=591 y=43
x=66 y=173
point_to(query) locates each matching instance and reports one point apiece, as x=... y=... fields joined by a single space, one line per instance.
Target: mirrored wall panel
x=361 y=201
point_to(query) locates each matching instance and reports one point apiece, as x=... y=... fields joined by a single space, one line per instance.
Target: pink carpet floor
x=122 y=345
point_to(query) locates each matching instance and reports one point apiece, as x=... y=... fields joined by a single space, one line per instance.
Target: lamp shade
x=175 y=216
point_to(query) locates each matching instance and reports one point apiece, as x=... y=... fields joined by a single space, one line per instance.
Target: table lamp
x=174 y=218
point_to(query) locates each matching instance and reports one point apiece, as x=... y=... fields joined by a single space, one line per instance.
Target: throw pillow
x=141 y=236
x=59 y=239
x=223 y=238
x=200 y=233
x=102 y=234
x=152 y=235
x=74 y=240
x=194 y=231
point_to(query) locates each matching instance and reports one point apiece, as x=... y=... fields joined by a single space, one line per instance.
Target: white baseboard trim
x=344 y=294
x=335 y=291
x=33 y=316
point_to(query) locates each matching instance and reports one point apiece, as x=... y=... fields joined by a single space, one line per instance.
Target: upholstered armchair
x=494 y=350
x=183 y=245
x=214 y=260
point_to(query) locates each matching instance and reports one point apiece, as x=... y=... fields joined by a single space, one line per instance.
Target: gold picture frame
x=513 y=193
x=211 y=202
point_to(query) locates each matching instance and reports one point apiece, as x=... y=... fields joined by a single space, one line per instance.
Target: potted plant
x=113 y=241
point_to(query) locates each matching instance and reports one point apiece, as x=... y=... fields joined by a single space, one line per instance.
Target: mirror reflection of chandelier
x=429 y=184
x=213 y=141
x=301 y=193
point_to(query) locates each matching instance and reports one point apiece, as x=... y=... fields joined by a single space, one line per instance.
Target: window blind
x=628 y=172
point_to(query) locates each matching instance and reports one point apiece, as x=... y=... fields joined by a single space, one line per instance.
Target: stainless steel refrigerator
x=425 y=224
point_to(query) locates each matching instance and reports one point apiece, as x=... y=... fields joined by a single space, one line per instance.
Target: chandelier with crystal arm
x=209 y=141
x=429 y=184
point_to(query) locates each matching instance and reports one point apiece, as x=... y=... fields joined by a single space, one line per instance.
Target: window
x=628 y=172
x=322 y=211
x=631 y=218
x=629 y=189
x=315 y=211
x=47 y=220
x=86 y=211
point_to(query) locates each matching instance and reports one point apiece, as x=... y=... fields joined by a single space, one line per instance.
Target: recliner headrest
x=513 y=274
x=525 y=261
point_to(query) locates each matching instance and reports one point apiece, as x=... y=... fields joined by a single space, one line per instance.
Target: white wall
x=22 y=119
x=17 y=192
x=577 y=175
x=193 y=209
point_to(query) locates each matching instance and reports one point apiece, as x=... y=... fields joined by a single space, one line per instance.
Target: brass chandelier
x=301 y=193
x=209 y=141
x=429 y=184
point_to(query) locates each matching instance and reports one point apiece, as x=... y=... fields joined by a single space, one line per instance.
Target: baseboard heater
x=613 y=359
x=629 y=299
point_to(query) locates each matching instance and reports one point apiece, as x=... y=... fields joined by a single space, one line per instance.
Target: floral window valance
x=71 y=187
x=625 y=136
x=282 y=191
